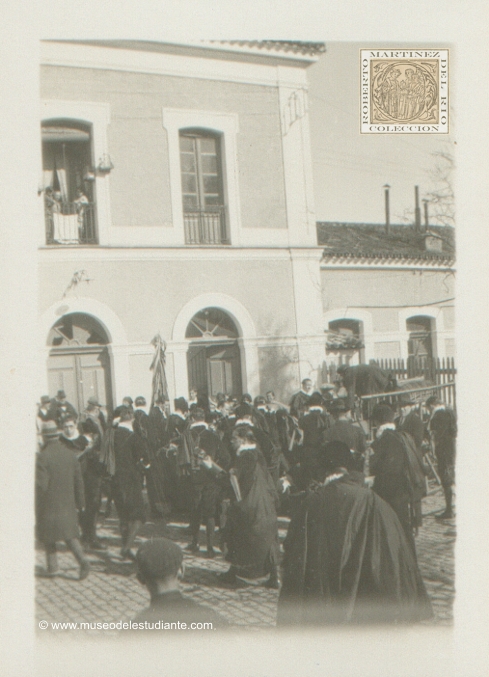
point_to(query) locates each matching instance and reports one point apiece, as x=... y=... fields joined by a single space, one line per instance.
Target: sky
x=349 y=168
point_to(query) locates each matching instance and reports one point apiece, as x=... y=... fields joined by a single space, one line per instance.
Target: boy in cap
x=159 y=567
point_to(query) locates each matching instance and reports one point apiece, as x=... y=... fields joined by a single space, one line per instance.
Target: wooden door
x=62 y=376
x=224 y=370
x=81 y=375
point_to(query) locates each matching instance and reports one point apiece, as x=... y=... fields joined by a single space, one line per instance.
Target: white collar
x=385 y=426
x=303 y=391
x=246 y=447
x=243 y=421
x=71 y=439
x=179 y=413
x=125 y=424
x=315 y=409
x=199 y=424
x=262 y=407
x=333 y=478
x=439 y=407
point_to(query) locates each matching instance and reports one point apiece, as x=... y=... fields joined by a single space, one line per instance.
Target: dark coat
x=299 y=403
x=413 y=425
x=58 y=411
x=59 y=492
x=130 y=459
x=251 y=532
x=347 y=560
x=350 y=434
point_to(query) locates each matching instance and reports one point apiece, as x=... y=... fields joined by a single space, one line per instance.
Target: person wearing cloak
x=251 y=534
x=346 y=557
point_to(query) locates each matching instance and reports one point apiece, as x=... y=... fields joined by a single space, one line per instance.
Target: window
x=421 y=329
x=202 y=188
x=345 y=336
x=68 y=183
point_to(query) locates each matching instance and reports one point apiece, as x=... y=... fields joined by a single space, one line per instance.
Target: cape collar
x=179 y=414
x=385 y=426
x=199 y=424
x=126 y=424
x=71 y=439
x=439 y=407
x=243 y=421
x=246 y=447
x=312 y=409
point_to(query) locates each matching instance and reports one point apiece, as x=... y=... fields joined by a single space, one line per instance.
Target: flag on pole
x=160 y=385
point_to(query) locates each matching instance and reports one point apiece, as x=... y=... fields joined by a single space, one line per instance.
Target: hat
x=128 y=398
x=60 y=394
x=93 y=401
x=337 y=455
x=140 y=401
x=181 y=404
x=382 y=413
x=338 y=406
x=341 y=368
x=244 y=410
x=49 y=429
x=159 y=558
x=45 y=399
x=432 y=400
x=315 y=400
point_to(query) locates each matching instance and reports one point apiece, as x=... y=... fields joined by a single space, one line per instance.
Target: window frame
x=226 y=127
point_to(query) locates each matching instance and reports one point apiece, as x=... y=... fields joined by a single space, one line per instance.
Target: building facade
x=177 y=180
x=176 y=198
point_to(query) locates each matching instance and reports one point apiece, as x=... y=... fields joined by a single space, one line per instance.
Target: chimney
x=387 y=210
x=417 y=211
x=426 y=217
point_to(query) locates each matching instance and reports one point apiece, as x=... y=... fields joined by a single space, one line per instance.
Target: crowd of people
x=235 y=465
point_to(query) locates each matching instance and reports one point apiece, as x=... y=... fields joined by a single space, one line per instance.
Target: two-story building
x=177 y=180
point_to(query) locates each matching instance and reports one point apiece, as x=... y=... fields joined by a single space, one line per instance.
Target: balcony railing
x=206 y=226
x=69 y=223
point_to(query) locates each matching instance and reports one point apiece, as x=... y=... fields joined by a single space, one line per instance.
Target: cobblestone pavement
x=111 y=593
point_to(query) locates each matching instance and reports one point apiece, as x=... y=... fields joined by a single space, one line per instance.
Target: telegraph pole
x=387 y=211
x=417 y=210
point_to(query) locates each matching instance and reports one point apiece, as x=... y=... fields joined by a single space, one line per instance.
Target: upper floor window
x=68 y=183
x=202 y=188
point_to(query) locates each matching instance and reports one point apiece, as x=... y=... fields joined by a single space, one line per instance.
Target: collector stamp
x=404 y=91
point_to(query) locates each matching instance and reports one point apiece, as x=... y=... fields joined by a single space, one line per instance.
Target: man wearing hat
x=159 y=567
x=410 y=422
x=398 y=470
x=313 y=424
x=59 y=493
x=346 y=557
x=43 y=415
x=344 y=430
x=60 y=407
x=92 y=425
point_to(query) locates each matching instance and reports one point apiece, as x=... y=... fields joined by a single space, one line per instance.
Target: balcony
x=70 y=223
x=207 y=227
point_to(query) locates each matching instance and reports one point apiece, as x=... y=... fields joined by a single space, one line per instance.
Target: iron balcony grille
x=69 y=223
x=206 y=226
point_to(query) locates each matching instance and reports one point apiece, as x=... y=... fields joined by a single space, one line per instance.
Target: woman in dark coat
x=130 y=463
x=59 y=493
x=250 y=533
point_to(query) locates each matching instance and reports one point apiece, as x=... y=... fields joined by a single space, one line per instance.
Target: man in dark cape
x=347 y=559
x=251 y=533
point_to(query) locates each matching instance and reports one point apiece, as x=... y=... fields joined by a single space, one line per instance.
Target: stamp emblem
x=404 y=91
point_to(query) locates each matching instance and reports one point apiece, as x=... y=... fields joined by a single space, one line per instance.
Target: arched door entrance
x=213 y=358
x=79 y=360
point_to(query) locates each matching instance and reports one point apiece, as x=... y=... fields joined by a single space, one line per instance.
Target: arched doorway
x=79 y=360
x=213 y=358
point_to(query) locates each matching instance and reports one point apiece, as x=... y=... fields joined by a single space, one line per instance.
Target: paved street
x=111 y=593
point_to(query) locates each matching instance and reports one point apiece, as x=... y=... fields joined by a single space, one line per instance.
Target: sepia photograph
x=249 y=409
x=244 y=314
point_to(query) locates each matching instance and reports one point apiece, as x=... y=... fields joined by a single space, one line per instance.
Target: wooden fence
x=434 y=370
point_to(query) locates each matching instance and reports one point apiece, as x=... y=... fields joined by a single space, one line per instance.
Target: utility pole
x=417 y=211
x=387 y=212
x=426 y=217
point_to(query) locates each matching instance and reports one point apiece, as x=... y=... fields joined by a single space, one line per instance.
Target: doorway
x=213 y=358
x=79 y=360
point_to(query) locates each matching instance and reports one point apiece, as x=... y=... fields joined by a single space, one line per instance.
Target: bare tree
x=441 y=198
